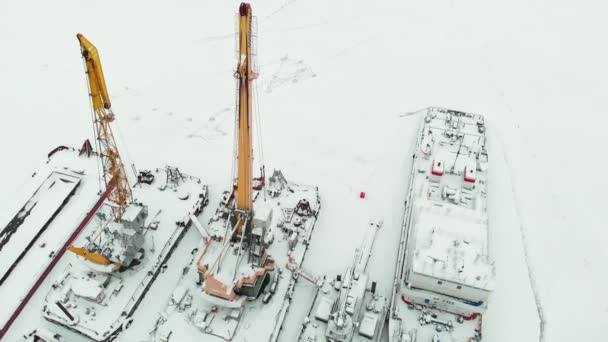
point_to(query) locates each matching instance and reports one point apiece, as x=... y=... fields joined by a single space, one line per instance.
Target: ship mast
x=245 y=76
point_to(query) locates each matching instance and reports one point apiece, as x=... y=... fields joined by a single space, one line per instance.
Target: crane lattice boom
x=114 y=174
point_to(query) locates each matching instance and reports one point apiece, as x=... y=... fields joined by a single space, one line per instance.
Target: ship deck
x=371 y=318
x=56 y=198
x=124 y=290
x=191 y=314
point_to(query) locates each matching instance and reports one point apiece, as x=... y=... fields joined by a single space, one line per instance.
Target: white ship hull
x=443 y=273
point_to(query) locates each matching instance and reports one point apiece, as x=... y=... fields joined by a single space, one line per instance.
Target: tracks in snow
x=522 y=228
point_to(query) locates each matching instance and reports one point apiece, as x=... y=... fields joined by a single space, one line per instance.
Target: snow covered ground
x=335 y=76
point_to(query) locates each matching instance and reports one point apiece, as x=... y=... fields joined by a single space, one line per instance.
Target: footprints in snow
x=288 y=72
x=214 y=127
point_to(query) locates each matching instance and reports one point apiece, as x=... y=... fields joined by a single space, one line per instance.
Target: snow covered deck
x=101 y=303
x=448 y=225
x=348 y=307
x=446 y=263
x=63 y=189
x=21 y=232
x=196 y=315
x=450 y=249
x=366 y=313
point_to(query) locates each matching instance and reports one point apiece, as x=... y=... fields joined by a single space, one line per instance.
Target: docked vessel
x=118 y=254
x=239 y=286
x=102 y=286
x=46 y=219
x=347 y=308
x=444 y=275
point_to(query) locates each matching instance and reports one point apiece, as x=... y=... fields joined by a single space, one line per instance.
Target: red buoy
x=362 y=194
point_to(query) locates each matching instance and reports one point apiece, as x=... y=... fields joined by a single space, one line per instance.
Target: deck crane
x=241 y=204
x=245 y=76
x=114 y=174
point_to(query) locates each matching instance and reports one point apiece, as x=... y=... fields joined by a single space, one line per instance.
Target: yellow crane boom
x=245 y=76
x=114 y=174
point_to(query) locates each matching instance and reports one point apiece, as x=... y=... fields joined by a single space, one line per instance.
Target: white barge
x=52 y=203
x=97 y=298
x=118 y=255
x=347 y=308
x=229 y=291
x=444 y=275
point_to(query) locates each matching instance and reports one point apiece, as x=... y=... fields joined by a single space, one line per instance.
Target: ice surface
x=535 y=68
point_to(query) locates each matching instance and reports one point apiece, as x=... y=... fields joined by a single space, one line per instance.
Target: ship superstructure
x=118 y=255
x=238 y=288
x=347 y=308
x=444 y=275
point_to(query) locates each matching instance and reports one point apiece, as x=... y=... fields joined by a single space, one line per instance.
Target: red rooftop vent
x=470 y=173
x=438 y=168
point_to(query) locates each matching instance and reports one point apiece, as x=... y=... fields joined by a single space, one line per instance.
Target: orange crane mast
x=114 y=174
x=245 y=76
x=243 y=208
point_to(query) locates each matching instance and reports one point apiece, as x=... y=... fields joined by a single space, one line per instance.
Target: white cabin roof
x=132 y=212
x=87 y=288
x=451 y=244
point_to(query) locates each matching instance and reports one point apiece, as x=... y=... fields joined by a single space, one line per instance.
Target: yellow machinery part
x=114 y=173
x=93 y=257
x=97 y=82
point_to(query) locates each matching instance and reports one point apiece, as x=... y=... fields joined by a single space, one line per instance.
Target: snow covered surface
x=347 y=309
x=447 y=274
x=36 y=213
x=447 y=224
x=97 y=300
x=335 y=78
x=205 y=315
x=35 y=261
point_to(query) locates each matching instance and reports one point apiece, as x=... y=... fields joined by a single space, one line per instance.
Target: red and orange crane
x=241 y=206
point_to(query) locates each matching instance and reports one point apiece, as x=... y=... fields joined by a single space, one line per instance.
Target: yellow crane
x=114 y=174
x=245 y=76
